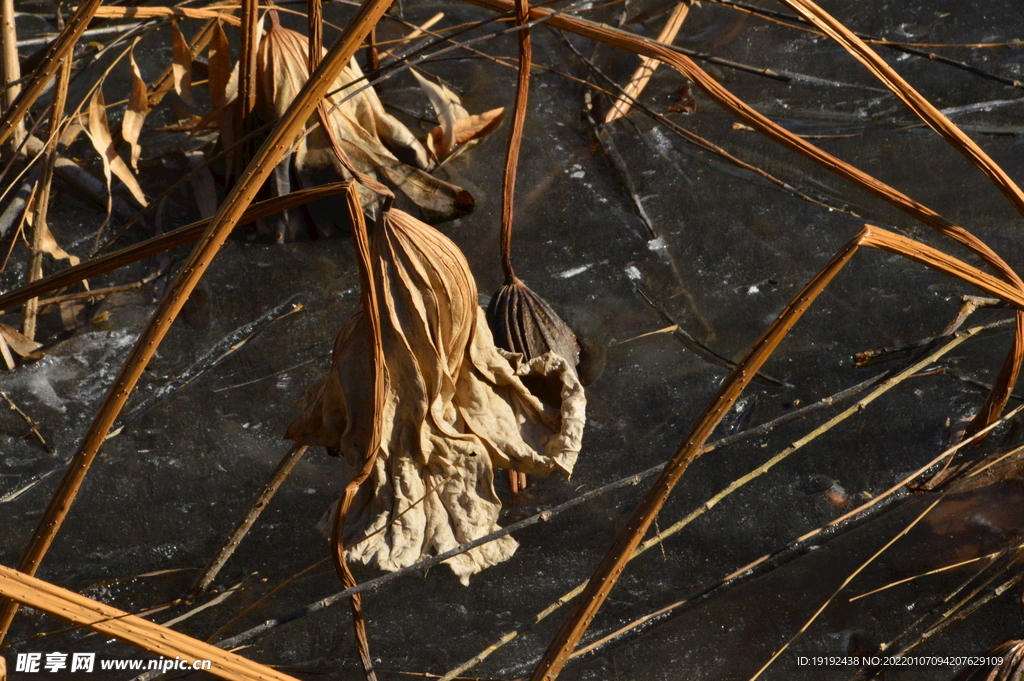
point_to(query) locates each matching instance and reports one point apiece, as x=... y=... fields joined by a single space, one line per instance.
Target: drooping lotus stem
x=521 y=320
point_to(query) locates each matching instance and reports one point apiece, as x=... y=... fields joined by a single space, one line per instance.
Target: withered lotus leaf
x=377 y=143
x=456 y=409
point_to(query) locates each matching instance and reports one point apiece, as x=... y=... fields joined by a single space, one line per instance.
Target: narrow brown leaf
x=135 y=114
x=220 y=67
x=50 y=246
x=182 y=66
x=99 y=133
x=448 y=108
x=5 y=354
x=457 y=126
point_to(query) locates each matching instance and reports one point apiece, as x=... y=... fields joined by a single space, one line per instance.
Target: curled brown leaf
x=457 y=126
x=181 y=67
x=135 y=114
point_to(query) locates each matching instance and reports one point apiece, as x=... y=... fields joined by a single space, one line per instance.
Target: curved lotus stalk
x=456 y=409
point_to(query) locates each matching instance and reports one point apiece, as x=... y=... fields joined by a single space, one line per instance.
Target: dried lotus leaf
x=456 y=408
x=376 y=142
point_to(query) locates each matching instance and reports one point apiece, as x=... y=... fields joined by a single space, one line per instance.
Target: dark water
x=719 y=249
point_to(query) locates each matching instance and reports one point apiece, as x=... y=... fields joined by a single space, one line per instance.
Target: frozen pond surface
x=719 y=250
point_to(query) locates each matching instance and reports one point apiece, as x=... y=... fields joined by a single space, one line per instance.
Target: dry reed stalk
x=110 y=621
x=42 y=195
x=916 y=369
x=164 y=242
x=611 y=567
x=59 y=49
x=247 y=55
x=251 y=515
x=168 y=12
x=10 y=65
x=315 y=17
x=283 y=134
x=647 y=67
x=938 y=122
x=371 y=311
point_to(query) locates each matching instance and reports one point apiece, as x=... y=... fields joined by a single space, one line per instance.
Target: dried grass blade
x=126 y=627
x=647 y=67
x=164 y=242
x=135 y=114
x=40 y=229
x=283 y=135
x=219 y=67
x=846 y=583
x=371 y=310
x=181 y=67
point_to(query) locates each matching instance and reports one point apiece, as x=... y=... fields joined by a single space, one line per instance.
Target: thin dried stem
x=315 y=16
x=371 y=311
x=251 y=515
x=284 y=132
x=247 y=53
x=846 y=582
x=42 y=196
x=611 y=567
x=10 y=65
x=647 y=67
x=515 y=137
x=129 y=628
x=33 y=427
x=938 y=122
